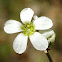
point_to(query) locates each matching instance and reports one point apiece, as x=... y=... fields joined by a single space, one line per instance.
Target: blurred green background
x=10 y=9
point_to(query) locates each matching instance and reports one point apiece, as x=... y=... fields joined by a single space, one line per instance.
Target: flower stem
x=49 y=57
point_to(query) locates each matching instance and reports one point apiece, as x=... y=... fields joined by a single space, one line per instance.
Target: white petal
x=43 y=23
x=35 y=17
x=38 y=41
x=26 y=15
x=12 y=26
x=48 y=34
x=52 y=39
x=20 y=43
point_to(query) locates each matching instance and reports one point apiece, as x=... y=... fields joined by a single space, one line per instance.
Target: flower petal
x=26 y=15
x=20 y=43
x=35 y=17
x=49 y=35
x=43 y=23
x=38 y=41
x=12 y=26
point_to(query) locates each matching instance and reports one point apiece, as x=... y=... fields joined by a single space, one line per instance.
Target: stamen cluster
x=28 y=28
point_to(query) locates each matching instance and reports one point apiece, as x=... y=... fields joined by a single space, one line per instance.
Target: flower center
x=28 y=28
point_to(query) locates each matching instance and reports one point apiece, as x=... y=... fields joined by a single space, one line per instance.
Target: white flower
x=28 y=29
